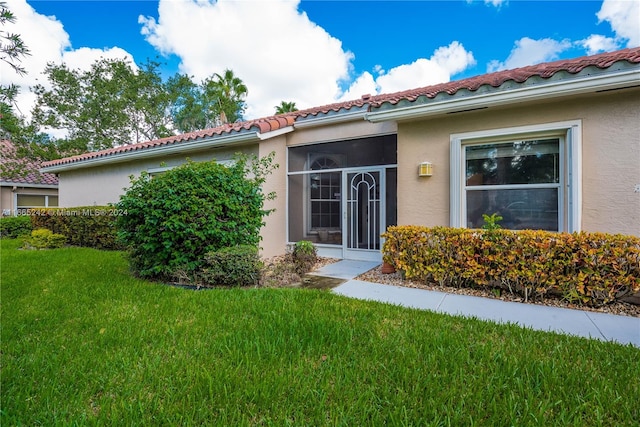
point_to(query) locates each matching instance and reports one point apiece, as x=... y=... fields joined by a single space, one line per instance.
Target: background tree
x=186 y=108
x=22 y=143
x=225 y=94
x=106 y=106
x=12 y=50
x=218 y=99
x=111 y=104
x=286 y=107
x=151 y=104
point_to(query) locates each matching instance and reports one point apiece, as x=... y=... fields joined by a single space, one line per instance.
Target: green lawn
x=83 y=343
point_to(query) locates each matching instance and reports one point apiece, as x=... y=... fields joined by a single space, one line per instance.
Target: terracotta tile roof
x=518 y=75
x=495 y=80
x=21 y=171
x=33 y=178
x=262 y=125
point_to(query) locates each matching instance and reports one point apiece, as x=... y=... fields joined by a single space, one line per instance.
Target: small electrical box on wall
x=425 y=169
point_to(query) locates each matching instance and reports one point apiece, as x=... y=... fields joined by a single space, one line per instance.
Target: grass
x=84 y=343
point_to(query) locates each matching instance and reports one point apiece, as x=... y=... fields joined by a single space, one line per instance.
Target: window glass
x=53 y=201
x=30 y=201
x=520 y=181
x=535 y=208
x=519 y=162
x=324 y=190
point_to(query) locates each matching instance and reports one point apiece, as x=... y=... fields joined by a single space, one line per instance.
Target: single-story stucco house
x=22 y=185
x=553 y=146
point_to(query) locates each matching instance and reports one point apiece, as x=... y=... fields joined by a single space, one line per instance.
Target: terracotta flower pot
x=388 y=268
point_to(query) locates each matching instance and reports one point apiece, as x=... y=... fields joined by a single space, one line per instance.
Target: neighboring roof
x=506 y=80
x=22 y=172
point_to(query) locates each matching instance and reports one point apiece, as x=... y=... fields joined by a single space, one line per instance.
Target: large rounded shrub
x=172 y=220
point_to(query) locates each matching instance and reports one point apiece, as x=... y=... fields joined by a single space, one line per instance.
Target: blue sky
x=318 y=52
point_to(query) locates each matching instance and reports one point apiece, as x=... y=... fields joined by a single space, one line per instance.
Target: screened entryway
x=342 y=195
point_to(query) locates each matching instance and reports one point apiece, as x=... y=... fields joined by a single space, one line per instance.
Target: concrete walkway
x=602 y=326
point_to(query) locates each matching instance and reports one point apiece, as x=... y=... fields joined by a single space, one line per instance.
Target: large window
x=529 y=175
x=518 y=180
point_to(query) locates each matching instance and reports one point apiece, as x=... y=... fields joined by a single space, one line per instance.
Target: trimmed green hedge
x=15 y=226
x=585 y=268
x=88 y=226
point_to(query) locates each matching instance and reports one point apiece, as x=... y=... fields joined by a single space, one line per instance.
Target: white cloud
x=363 y=85
x=495 y=3
x=84 y=57
x=453 y=58
x=624 y=17
x=47 y=41
x=529 y=52
x=596 y=43
x=445 y=62
x=421 y=72
x=275 y=49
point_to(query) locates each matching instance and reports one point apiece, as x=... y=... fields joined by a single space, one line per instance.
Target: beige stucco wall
x=7 y=194
x=105 y=184
x=274 y=233
x=6 y=198
x=610 y=157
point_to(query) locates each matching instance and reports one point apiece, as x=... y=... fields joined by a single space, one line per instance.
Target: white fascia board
x=325 y=120
x=22 y=185
x=273 y=134
x=524 y=94
x=197 y=145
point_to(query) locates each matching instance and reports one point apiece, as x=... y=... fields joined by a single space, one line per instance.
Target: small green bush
x=86 y=226
x=42 y=238
x=585 y=268
x=304 y=256
x=491 y=222
x=12 y=227
x=233 y=266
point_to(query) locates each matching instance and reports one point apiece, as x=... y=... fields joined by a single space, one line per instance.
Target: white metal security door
x=363 y=214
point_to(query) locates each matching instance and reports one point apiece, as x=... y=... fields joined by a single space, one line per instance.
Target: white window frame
x=21 y=208
x=570 y=136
